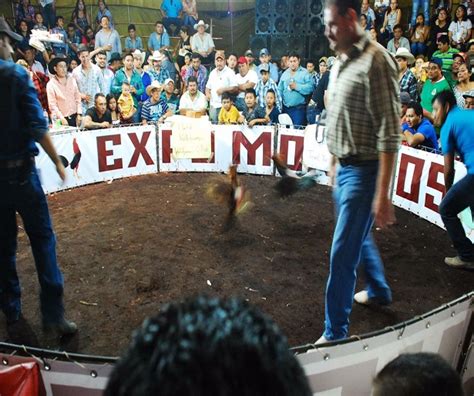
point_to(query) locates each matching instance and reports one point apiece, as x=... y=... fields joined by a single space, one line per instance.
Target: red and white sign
x=100 y=155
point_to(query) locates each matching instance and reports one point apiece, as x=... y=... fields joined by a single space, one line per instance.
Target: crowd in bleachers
x=435 y=51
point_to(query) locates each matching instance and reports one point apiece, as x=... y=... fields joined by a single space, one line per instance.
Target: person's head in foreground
x=208 y=346
x=417 y=374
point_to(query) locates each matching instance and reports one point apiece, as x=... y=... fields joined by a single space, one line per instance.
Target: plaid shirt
x=39 y=82
x=160 y=76
x=200 y=74
x=409 y=84
x=261 y=89
x=364 y=103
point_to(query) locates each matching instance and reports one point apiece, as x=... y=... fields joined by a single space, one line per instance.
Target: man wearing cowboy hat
x=23 y=123
x=158 y=73
x=154 y=109
x=171 y=10
x=202 y=42
x=406 y=78
x=64 y=98
x=158 y=39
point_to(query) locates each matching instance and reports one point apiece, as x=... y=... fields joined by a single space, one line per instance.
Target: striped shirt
x=363 y=103
x=446 y=57
x=261 y=89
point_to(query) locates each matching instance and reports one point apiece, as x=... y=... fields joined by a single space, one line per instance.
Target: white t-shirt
x=199 y=103
x=201 y=44
x=251 y=76
x=220 y=79
x=459 y=30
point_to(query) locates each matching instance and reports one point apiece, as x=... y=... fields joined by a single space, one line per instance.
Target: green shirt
x=430 y=90
x=135 y=81
x=446 y=57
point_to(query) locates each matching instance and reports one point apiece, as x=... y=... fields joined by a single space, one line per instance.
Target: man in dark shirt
x=23 y=123
x=98 y=116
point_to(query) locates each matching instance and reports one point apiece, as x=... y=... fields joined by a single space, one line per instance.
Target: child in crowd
x=60 y=48
x=39 y=22
x=229 y=113
x=125 y=103
x=112 y=107
x=271 y=111
x=133 y=42
x=252 y=114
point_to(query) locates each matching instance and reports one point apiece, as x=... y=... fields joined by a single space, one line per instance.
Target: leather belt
x=13 y=164
x=355 y=161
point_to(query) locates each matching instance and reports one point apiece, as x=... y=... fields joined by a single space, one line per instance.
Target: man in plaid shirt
x=264 y=85
x=407 y=79
x=363 y=135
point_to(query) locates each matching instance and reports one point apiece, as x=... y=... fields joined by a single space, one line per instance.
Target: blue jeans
x=458 y=198
x=297 y=114
x=311 y=113
x=25 y=196
x=414 y=11
x=352 y=245
x=49 y=16
x=189 y=21
x=418 y=49
x=167 y=22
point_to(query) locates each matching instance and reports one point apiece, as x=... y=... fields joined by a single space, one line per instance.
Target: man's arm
x=47 y=145
x=89 y=124
x=413 y=140
x=382 y=207
x=449 y=170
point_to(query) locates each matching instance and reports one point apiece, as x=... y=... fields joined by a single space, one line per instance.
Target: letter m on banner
x=258 y=145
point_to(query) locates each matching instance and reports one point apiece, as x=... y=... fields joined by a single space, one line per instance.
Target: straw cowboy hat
x=154 y=85
x=139 y=55
x=201 y=23
x=158 y=56
x=404 y=53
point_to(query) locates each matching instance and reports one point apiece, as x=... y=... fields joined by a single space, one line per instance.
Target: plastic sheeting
x=21 y=380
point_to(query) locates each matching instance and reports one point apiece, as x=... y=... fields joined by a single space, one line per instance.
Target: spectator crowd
x=143 y=81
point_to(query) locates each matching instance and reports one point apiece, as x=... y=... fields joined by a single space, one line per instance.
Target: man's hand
x=64 y=122
x=107 y=47
x=78 y=120
x=105 y=124
x=220 y=91
x=241 y=119
x=332 y=172
x=251 y=123
x=384 y=212
x=292 y=85
x=133 y=89
x=60 y=170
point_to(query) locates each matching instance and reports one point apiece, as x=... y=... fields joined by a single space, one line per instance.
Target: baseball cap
x=264 y=51
x=264 y=67
x=437 y=61
x=219 y=54
x=323 y=59
x=405 y=98
x=242 y=60
x=468 y=94
x=249 y=53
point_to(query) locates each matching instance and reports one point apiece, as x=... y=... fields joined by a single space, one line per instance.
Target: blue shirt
x=427 y=129
x=172 y=8
x=457 y=135
x=21 y=115
x=133 y=45
x=304 y=86
x=153 y=111
x=155 y=42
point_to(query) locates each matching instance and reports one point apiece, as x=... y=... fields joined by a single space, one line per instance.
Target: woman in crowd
x=392 y=17
x=460 y=29
x=184 y=45
x=184 y=69
x=103 y=11
x=72 y=65
x=363 y=22
x=24 y=11
x=419 y=37
x=190 y=14
x=112 y=107
x=439 y=27
x=24 y=32
x=419 y=71
x=464 y=84
x=89 y=38
x=202 y=43
x=80 y=18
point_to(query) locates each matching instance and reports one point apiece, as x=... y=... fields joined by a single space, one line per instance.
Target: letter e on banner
x=103 y=153
x=413 y=194
x=435 y=170
x=140 y=149
x=239 y=139
x=298 y=154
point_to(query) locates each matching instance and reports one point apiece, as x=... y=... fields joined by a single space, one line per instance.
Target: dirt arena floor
x=127 y=247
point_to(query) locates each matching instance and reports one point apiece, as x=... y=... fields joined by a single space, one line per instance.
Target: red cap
x=242 y=60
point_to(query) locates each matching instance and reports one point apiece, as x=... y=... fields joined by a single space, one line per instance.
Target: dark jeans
x=297 y=114
x=459 y=197
x=167 y=22
x=49 y=16
x=25 y=196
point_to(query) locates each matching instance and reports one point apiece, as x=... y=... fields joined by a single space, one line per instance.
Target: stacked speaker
x=285 y=26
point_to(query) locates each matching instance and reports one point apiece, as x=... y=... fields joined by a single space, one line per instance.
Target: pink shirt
x=64 y=99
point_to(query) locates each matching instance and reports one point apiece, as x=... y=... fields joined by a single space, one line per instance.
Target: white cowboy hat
x=158 y=56
x=139 y=55
x=154 y=85
x=201 y=23
x=404 y=53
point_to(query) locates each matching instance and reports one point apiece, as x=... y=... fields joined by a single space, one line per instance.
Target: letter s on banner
x=435 y=170
x=103 y=153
